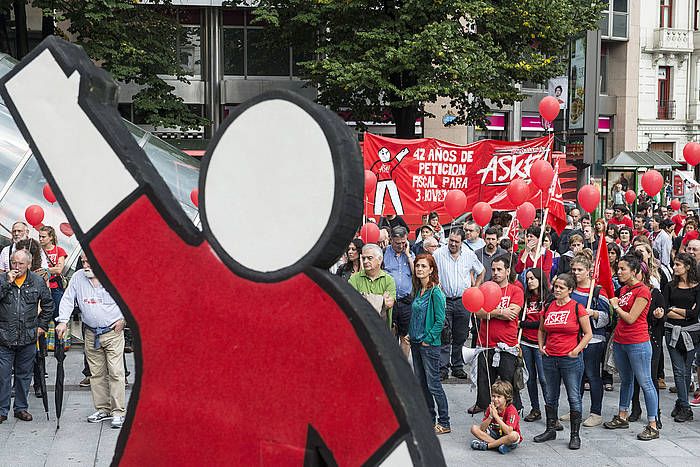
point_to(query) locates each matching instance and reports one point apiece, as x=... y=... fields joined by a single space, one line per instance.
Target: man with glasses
x=458 y=269
x=398 y=262
x=22 y=293
x=373 y=280
x=20 y=231
x=104 y=342
x=474 y=240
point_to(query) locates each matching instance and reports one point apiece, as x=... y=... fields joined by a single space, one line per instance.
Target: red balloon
x=473 y=299
x=492 y=295
x=549 y=108
x=455 y=203
x=542 y=174
x=589 y=198
x=518 y=191
x=66 y=229
x=481 y=212
x=652 y=182
x=675 y=204
x=691 y=153
x=630 y=196
x=194 y=196
x=48 y=194
x=525 y=214
x=369 y=233
x=34 y=214
x=370 y=182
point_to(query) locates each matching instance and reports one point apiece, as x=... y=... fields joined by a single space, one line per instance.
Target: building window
x=613 y=21
x=189 y=49
x=666 y=13
x=603 y=69
x=245 y=51
x=665 y=106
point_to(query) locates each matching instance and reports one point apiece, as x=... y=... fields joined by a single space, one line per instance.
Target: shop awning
x=633 y=160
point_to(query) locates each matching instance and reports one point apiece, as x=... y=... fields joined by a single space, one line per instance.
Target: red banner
x=413 y=176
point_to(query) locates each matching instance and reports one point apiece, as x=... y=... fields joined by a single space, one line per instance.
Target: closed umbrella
x=60 y=354
x=41 y=363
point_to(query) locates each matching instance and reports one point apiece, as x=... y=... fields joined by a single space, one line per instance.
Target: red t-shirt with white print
x=499 y=330
x=510 y=417
x=562 y=327
x=637 y=332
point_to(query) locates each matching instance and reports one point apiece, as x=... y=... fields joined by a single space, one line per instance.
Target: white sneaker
x=117 y=421
x=565 y=418
x=593 y=420
x=98 y=417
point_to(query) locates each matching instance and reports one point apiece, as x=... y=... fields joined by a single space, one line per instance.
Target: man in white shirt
x=473 y=233
x=458 y=269
x=104 y=342
x=20 y=231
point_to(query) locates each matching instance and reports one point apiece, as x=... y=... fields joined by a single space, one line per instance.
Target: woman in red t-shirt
x=56 y=257
x=631 y=347
x=561 y=324
x=526 y=259
x=537 y=296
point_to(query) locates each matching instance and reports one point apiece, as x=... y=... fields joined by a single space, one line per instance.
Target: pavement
x=79 y=443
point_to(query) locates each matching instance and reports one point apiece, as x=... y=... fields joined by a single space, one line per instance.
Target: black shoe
x=534 y=415
x=443 y=376
x=460 y=374
x=575 y=439
x=38 y=393
x=635 y=414
x=673 y=390
x=683 y=415
x=474 y=409
x=558 y=426
x=549 y=433
x=676 y=408
x=3 y=418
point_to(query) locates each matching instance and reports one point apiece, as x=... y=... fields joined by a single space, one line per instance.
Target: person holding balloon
x=498 y=332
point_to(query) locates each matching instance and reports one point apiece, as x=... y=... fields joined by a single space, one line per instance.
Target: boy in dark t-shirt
x=500 y=428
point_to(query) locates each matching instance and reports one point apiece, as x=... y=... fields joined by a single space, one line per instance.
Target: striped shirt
x=455 y=274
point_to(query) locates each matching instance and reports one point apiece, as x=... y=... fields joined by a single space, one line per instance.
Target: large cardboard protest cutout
x=249 y=352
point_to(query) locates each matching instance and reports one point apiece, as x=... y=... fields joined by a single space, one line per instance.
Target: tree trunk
x=21 y=42
x=405 y=121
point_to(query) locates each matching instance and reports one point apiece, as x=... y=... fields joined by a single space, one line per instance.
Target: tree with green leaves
x=374 y=55
x=134 y=43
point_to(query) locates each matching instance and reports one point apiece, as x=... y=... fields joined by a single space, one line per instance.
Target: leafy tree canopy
x=401 y=54
x=135 y=43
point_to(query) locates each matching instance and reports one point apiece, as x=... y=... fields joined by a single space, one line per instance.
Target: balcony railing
x=666 y=110
x=672 y=40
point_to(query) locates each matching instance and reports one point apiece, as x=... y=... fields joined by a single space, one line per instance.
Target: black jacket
x=19 y=310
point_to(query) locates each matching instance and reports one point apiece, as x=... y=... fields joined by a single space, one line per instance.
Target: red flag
x=602 y=274
x=555 y=203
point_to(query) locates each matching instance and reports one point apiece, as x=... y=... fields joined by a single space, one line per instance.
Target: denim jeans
x=570 y=371
x=22 y=359
x=426 y=366
x=451 y=354
x=682 y=363
x=535 y=370
x=634 y=361
x=592 y=359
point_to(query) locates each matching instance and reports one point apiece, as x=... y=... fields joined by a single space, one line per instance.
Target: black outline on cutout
x=97 y=97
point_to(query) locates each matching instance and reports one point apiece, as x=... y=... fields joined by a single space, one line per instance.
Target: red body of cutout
x=235 y=366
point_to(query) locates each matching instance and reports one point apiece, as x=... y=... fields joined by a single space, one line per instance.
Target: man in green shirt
x=373 y=280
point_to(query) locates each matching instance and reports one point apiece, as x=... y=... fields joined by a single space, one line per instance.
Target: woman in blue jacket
x=427 y=320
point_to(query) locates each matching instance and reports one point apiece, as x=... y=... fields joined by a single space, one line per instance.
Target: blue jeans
x=682 y=363
x=426 y=366
x=570 y=371
x=451 y=353
x=56 y=295
x=634 y=361
x=592 y=359
x=22 y=359
x=535 y=370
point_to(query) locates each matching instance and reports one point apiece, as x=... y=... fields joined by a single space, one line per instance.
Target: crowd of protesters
x=551 y=318
x=36 y=306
